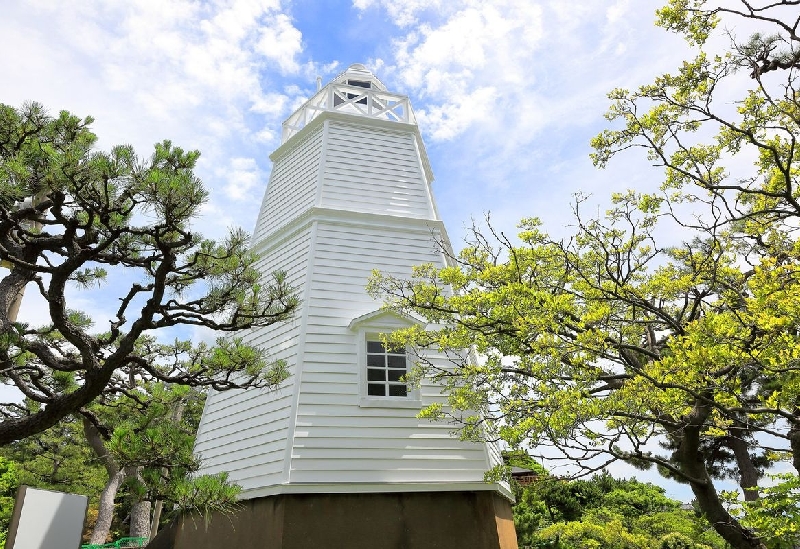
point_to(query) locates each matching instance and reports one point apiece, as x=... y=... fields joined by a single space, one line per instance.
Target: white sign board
x=46 y=520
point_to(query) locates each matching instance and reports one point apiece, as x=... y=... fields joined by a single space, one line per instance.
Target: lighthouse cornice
x=348 y=217
x=478 y=485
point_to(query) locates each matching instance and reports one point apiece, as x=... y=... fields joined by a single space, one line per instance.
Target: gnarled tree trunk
x=155 y=523
x=748 y=473
x=794 y=440
x=693 y=464
x=105 y=513
x=140 y=510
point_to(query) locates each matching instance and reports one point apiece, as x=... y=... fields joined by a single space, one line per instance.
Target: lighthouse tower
x=336 y=457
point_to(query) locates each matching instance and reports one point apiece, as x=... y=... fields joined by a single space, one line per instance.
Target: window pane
x=398 y=390
x=386 y=368
x=360 y=83
x=395 y=375
x=375 y=347
x=374 y=374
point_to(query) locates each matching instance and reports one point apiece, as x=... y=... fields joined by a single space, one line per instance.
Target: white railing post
x=379 y=104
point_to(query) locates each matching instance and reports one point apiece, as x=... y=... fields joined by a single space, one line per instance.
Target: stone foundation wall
x=411 y=520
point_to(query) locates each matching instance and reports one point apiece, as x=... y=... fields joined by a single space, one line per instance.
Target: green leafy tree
x=530 y=516
x=598 y=371
x=617 y=345
x=56 y=459
x=71 y=215
x=776 y=512
x=608 y=513
x=131 y=454
x=9 y=481
x=608 y=534
x=205 y=495
x=145 y=440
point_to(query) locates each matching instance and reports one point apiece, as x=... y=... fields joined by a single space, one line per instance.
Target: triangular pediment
x=385 y=319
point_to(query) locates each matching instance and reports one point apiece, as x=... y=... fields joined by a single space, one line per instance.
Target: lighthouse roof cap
x=357 y=74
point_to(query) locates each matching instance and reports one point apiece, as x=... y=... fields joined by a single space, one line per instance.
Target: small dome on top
x=359 y=75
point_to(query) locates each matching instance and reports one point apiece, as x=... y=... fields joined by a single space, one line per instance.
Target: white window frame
x=372 y=327
x=412 y=398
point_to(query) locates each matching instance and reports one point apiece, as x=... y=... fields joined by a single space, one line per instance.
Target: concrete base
x=409 y=520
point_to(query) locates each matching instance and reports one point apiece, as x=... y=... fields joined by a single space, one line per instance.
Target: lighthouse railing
x=336 y=97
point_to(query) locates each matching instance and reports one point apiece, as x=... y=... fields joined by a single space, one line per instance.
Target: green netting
x=131 y=542
x=119 y=544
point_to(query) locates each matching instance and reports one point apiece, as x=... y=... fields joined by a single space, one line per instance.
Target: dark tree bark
x=794 y=440
x=748 y=472
x=692 y=464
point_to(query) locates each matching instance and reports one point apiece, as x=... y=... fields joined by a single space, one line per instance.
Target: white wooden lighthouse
x=338 y=448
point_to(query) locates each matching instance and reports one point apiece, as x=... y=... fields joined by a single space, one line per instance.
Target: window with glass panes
x=385 y=369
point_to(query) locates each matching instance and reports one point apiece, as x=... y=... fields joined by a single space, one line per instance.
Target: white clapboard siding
x=329 y=396
x=374 y=170
x=348 y=194
x=242 y=428
x=292 y=187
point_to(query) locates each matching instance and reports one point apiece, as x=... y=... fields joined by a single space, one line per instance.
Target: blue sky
x=507 y=93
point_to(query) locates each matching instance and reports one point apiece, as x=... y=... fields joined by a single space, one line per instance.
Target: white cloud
x=214 y=220
x=616 y=12
x=281 y=43
x=475 y=59
x=449 y=120
x=181 y=61
x=242 y=176
x=216 y=75
x=266 y=136
x=405 y=12
x=509 y=94
x=531 y=55
x=270 y=103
